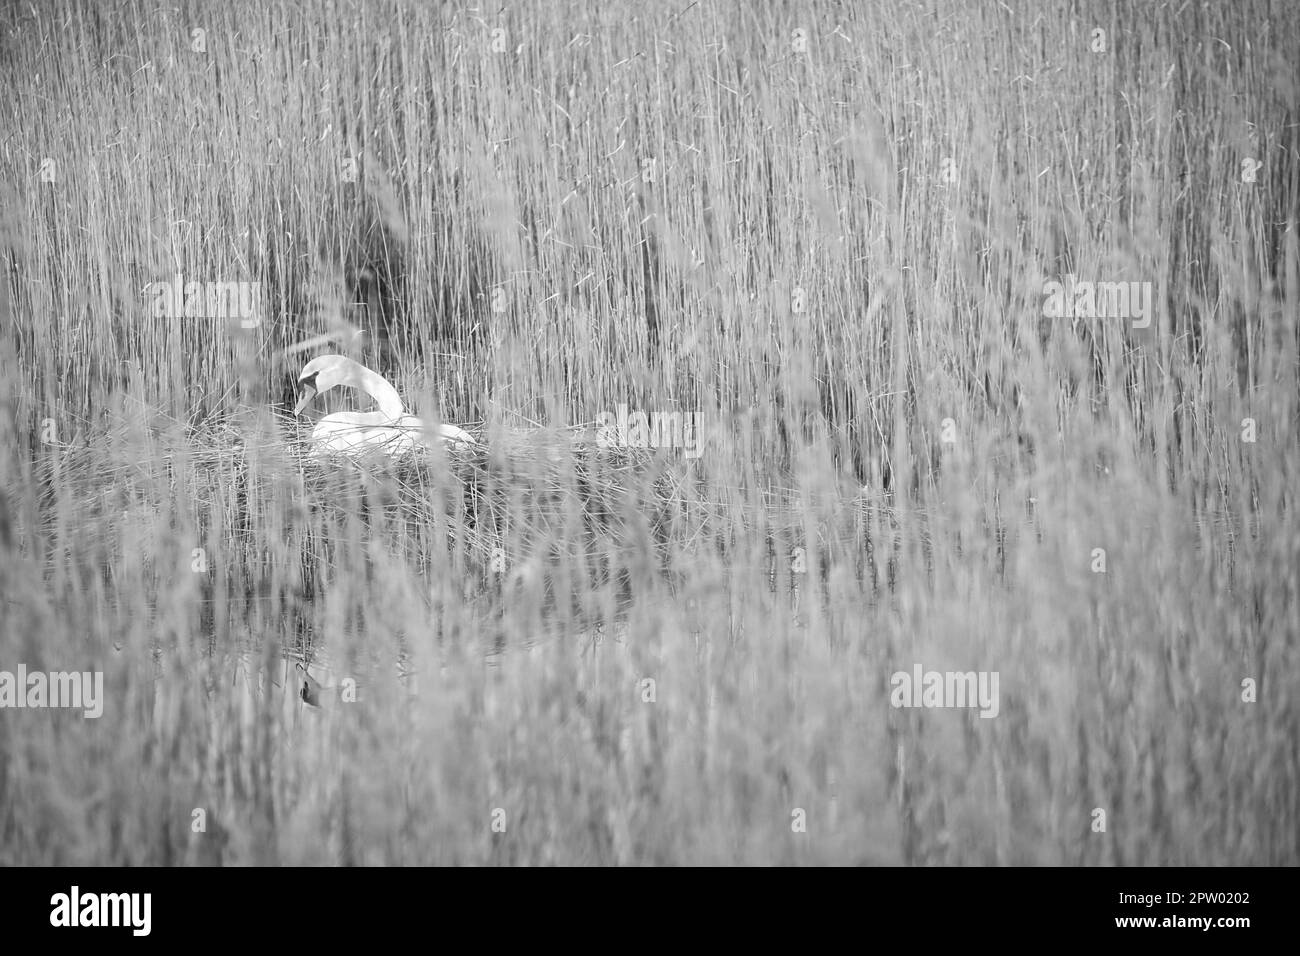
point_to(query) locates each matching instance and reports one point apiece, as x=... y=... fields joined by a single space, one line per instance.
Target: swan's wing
x=450 y=434
x=457 y=436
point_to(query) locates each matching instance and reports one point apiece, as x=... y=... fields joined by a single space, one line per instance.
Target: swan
x=313 y=692
x=390 y=429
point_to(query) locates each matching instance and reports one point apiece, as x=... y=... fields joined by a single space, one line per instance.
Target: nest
x=522 y=488
x=536 y=501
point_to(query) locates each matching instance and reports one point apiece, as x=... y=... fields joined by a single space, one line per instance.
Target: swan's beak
x=309 y=691
x=308 y=393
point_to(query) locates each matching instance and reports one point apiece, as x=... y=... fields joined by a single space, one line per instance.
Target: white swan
x=312 y=691
x=390 y=429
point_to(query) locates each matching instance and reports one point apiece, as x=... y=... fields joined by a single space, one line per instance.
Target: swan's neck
x=379 y=388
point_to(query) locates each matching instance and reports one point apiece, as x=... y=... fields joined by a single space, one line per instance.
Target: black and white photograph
x=651 y=433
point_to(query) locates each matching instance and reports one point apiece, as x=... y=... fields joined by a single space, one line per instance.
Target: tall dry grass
x=828 y=251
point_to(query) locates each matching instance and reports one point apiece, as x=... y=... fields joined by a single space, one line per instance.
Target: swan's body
x=389 y=430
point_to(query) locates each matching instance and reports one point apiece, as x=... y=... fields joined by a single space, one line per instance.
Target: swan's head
x=323 y=373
